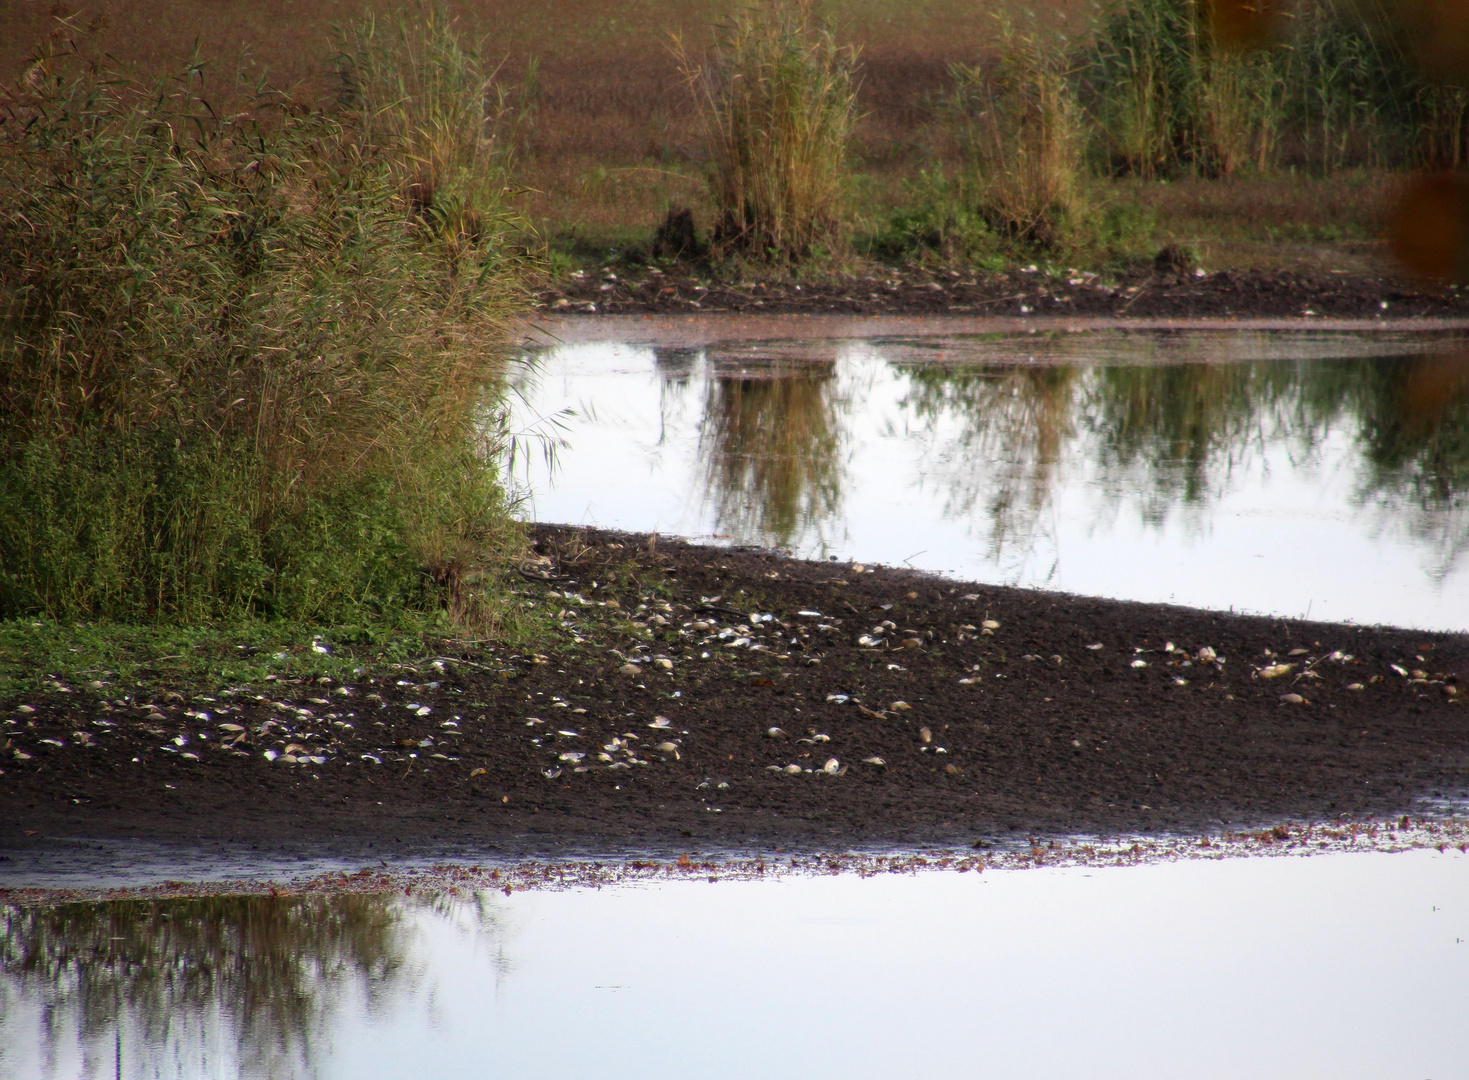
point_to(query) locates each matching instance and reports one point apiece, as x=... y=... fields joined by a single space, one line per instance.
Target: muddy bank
x=1138 y=294
x=994 y=712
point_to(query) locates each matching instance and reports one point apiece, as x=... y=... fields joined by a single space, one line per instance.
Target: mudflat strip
x=705 y=698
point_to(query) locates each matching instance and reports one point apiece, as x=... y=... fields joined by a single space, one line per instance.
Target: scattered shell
x=810 y=614
x=289 y=759
x=1094 y=646
x=793 y=770
x=1206 y=655
x=838 y=699
x=1401 y=671
x=924 y=735
x=231 y=727
x=666 y=748
x=820 y=738
x=666 y=665
x=570 y=734
x=951 y=769
x=1274 y=671
x=1298 y=652
x=831 y=767
x=271 y=755
x=858 y=568
x=476 y=772
x=572 y=756
x=777 y=733
x=551 y=774
x=869 y=641
x=873 y=761
x=1139 y=663
x=1355 y=686
x=899 y=706
x=629 y=669
x=991 y=624
x=1292 y=699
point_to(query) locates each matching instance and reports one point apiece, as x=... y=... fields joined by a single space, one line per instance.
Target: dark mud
x=1031 y=730
x=1144 y=294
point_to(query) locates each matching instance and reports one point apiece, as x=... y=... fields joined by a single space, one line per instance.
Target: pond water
x=1339 y=965
x=1300 y=473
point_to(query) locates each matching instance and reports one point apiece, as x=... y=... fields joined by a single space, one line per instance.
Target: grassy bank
x=1286 y=157
x=252 y=346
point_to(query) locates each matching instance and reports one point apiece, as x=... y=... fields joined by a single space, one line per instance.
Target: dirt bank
x=1143 y=294
x=1070 y=715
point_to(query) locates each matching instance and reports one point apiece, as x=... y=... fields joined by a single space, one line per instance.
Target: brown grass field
x=614 y=142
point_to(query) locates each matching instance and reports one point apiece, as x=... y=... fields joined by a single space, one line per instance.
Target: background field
x=614 y=140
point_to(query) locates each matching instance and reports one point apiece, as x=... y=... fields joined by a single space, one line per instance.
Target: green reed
x=244 y=368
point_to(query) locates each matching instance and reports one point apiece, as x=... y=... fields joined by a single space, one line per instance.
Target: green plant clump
x=777 y=102
x=249 y=357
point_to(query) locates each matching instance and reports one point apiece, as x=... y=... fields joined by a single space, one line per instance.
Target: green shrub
x=777 y=102
x=1021 y=133
x=244 y=365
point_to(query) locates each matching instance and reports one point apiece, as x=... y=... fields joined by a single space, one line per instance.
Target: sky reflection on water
x=1344 y=965
x=1272 y=472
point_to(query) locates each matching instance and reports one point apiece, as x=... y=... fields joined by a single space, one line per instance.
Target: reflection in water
x=1260 y=471
x=1173 y=436
x=1082 y=971
x=238 y=984
x=770 y=449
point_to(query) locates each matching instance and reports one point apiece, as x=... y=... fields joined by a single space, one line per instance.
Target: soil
x=997 y=713
x=1152 y=294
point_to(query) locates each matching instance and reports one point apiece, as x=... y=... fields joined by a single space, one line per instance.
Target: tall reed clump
x=1339 y=90
x=245 y=370
x=777 y=101
x=1020 y=128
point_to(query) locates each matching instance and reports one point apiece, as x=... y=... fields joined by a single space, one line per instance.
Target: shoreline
x=644 y=726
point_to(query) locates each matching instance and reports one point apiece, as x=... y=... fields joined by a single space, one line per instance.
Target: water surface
x=1340 y=965
x=1287 y=472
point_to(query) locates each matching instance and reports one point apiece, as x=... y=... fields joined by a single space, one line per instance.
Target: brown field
x=615 y=144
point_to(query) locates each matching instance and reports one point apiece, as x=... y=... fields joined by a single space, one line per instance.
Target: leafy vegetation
x=249 y=357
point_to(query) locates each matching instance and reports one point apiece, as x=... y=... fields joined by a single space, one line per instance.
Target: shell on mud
x=777 y=733
x=666 y=748
x=873 y=761
x=1292 y=699
x=793 y=770
x=1274 y=671
x=831 y=767
x=629 y=669
x=924 y=735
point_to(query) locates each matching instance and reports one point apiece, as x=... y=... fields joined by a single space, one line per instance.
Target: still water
x=1295 y=473
x=1340 y=965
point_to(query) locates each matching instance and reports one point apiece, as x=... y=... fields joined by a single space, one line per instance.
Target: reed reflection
x=244 y=984
x=770 y=449
x=1002 y=438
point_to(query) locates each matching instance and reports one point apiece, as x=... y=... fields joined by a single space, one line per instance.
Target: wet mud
x=911 y=710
